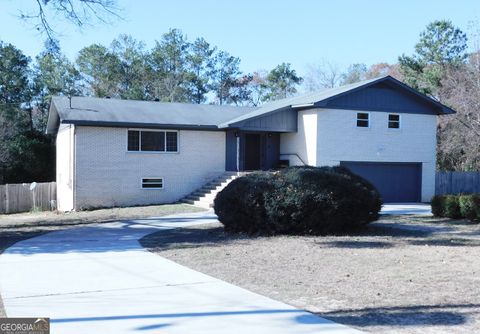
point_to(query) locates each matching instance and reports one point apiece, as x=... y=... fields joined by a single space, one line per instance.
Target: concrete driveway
x=421 y=209
x=100 y=280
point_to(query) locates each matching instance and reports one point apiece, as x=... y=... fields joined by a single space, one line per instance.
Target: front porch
x=252 y=150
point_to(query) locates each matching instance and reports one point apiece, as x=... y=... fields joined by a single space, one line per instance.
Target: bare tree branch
x=80 y=13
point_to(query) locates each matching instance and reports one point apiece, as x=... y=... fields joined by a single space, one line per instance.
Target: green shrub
x=298 y=200
x=470 y=206
x=242 y=202
x=467 y=206
x=452 y=207
x=438 y=205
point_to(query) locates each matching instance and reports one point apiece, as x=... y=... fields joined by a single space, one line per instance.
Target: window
x=171 y=141
x=393 y=121
x=152 y=141
x=133 y=140
x=152 y=183
x=363 y=120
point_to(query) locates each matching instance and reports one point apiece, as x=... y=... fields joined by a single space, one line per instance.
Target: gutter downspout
x=238 y=153
x=74 y=169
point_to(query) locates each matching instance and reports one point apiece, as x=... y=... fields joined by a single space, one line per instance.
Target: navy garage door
x=396 y=182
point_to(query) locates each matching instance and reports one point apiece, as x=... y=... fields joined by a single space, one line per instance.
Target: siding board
x=382 y=98
x=281 y=121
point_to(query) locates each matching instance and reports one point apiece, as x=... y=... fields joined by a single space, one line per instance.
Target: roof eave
x=143 y=125
x=53 y=120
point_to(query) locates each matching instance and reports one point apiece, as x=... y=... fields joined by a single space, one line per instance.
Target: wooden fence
x=452 y=183
x=19 y=197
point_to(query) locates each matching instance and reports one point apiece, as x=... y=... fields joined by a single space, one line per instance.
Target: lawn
x=404 y=274
x=17 y=227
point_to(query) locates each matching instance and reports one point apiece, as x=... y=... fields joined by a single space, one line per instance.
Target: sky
x=262 y=33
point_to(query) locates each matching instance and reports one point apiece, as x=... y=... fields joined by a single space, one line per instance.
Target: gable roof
x=319 y=99
x=150 y=114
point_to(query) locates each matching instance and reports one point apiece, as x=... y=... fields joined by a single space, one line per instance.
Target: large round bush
x=298 y=200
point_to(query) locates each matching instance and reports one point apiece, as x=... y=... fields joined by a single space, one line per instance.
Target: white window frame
x=153 y=152
x=369 y=120
x=399 y=122
x=152 y=177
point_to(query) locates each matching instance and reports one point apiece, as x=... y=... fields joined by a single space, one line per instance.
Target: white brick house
x=118 y=153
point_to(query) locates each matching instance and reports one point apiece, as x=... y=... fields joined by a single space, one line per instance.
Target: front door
x=252 y=151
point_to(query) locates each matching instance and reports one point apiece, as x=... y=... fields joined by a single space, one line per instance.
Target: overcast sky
x=262 y=33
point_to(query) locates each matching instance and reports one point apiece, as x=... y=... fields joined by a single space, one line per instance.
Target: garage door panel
x=396 y=182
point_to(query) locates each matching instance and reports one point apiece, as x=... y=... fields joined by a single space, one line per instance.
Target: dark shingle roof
x=116 y=112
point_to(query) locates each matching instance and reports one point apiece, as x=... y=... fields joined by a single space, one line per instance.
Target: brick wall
x=108 y=175
x=339 y=139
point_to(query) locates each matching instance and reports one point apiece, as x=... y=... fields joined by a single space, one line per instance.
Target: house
x=113 y=152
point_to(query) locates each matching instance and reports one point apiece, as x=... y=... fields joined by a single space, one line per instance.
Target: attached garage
x=396 y=182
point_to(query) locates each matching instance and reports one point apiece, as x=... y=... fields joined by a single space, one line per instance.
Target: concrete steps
x=204 y=196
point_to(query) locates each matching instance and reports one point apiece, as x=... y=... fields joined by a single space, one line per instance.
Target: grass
x=403 y=274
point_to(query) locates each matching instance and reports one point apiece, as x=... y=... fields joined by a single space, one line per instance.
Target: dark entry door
x=252 y=151
x=396 y=182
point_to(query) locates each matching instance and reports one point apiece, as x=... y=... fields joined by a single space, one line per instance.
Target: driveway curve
x=99 y=279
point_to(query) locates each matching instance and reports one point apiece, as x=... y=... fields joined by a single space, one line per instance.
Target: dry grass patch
x=403 y=274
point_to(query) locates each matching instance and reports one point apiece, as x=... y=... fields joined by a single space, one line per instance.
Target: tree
x=77 y=12
x=201 y=66
x=98 y=67
x=224 y=76
x=257 y=87
x=168 y=61
x=54 y=75
x=355 y=73
x=14 y=90
x=282 y=82
x=129 y=67
x=383 y=69
x=20 y=143
x=441 y=46
x=323 y=75
x=459 y=134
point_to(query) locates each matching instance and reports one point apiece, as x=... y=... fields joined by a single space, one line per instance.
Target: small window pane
x=153 y=141
x=362 y=116
x=394 y=117
x=393 y=125
x=133 y=140
x=362 y=124
x=172 y=142
x=362 y=120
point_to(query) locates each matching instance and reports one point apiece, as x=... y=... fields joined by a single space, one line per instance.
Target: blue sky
x=262 y=33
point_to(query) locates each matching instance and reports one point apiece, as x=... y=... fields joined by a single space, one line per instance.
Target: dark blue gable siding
x=280 y=121
x=231 y=151
x=381 y=97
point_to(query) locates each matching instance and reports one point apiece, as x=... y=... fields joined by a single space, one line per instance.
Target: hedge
x=457 y=206
x=298 y=200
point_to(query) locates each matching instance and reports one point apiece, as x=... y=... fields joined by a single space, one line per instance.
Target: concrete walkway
x=100 y=280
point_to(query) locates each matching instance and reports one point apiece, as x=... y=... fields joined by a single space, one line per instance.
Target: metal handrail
x=295 y=154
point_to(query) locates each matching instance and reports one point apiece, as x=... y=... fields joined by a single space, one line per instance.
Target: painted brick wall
x=108 y=175
x=303 y=142
x=338 y=139
x=64 y=167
